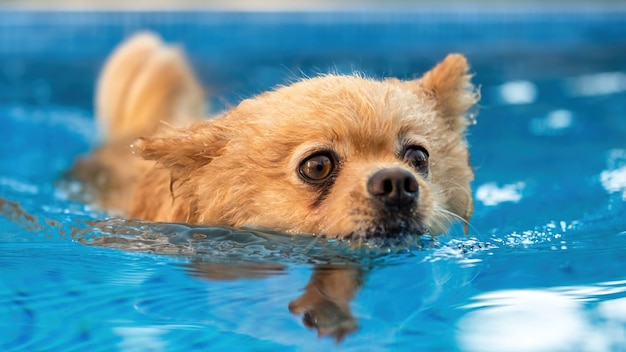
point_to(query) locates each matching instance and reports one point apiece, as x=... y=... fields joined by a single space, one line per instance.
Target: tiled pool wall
x=513 y=42
x=220 y=34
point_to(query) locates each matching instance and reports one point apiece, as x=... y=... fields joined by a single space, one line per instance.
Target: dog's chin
x=390 y=231
x=390 y=239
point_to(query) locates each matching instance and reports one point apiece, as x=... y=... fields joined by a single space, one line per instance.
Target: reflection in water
x=613 y=179
x=220 y=253
x=233 y=271
x=490 y=194
x=325 y=302
x=14 y=212
x=565 y=318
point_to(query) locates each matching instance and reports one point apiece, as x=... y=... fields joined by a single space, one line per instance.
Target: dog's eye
x=417 y=157
x=317 y=167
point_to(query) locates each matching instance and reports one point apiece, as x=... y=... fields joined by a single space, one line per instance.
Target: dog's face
x=334 y=155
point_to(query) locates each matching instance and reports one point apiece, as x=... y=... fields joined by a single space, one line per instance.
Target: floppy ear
x=186 y=149
x=449 y=83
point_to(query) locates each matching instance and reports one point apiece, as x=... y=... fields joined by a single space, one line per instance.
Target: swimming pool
x=543 y=265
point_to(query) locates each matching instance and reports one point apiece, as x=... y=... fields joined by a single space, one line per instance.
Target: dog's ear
x=449 y=83
x=185 y=149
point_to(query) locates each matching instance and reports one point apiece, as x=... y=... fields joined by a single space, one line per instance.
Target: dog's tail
x=145 y=84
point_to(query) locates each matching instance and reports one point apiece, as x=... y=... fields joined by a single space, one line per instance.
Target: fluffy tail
x=143 y=84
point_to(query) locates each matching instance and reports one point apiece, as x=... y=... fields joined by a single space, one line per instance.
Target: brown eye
x=317 y=168
x=417 y=157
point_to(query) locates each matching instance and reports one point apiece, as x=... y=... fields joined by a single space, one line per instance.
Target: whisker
x=351 y=214
x=327 y=226
x=448 y=214
x=455 y=186
x=438 y=222
x=306 y=249
x=167 y=124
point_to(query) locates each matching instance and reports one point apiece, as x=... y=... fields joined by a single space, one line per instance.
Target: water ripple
x=228 y=245
x=581 y=318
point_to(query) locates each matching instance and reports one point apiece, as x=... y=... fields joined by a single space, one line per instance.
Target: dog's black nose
x=395 y=187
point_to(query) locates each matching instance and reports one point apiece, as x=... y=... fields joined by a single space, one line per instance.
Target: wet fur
x=241 y=168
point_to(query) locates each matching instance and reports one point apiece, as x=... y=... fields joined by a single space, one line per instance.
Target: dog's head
x=334 y=155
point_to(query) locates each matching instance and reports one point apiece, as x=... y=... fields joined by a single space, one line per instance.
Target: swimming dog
x=344 y=156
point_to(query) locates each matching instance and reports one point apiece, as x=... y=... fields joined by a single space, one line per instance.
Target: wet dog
x=343 y=156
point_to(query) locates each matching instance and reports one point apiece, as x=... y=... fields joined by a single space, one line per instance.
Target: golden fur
x=242 y=168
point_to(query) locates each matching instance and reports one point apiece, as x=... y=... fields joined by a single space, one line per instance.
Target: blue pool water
x=543 y=268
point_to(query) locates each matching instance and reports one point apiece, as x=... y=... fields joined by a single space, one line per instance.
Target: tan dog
x=342 y=156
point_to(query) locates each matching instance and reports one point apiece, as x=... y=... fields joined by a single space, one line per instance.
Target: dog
x=343 y=156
